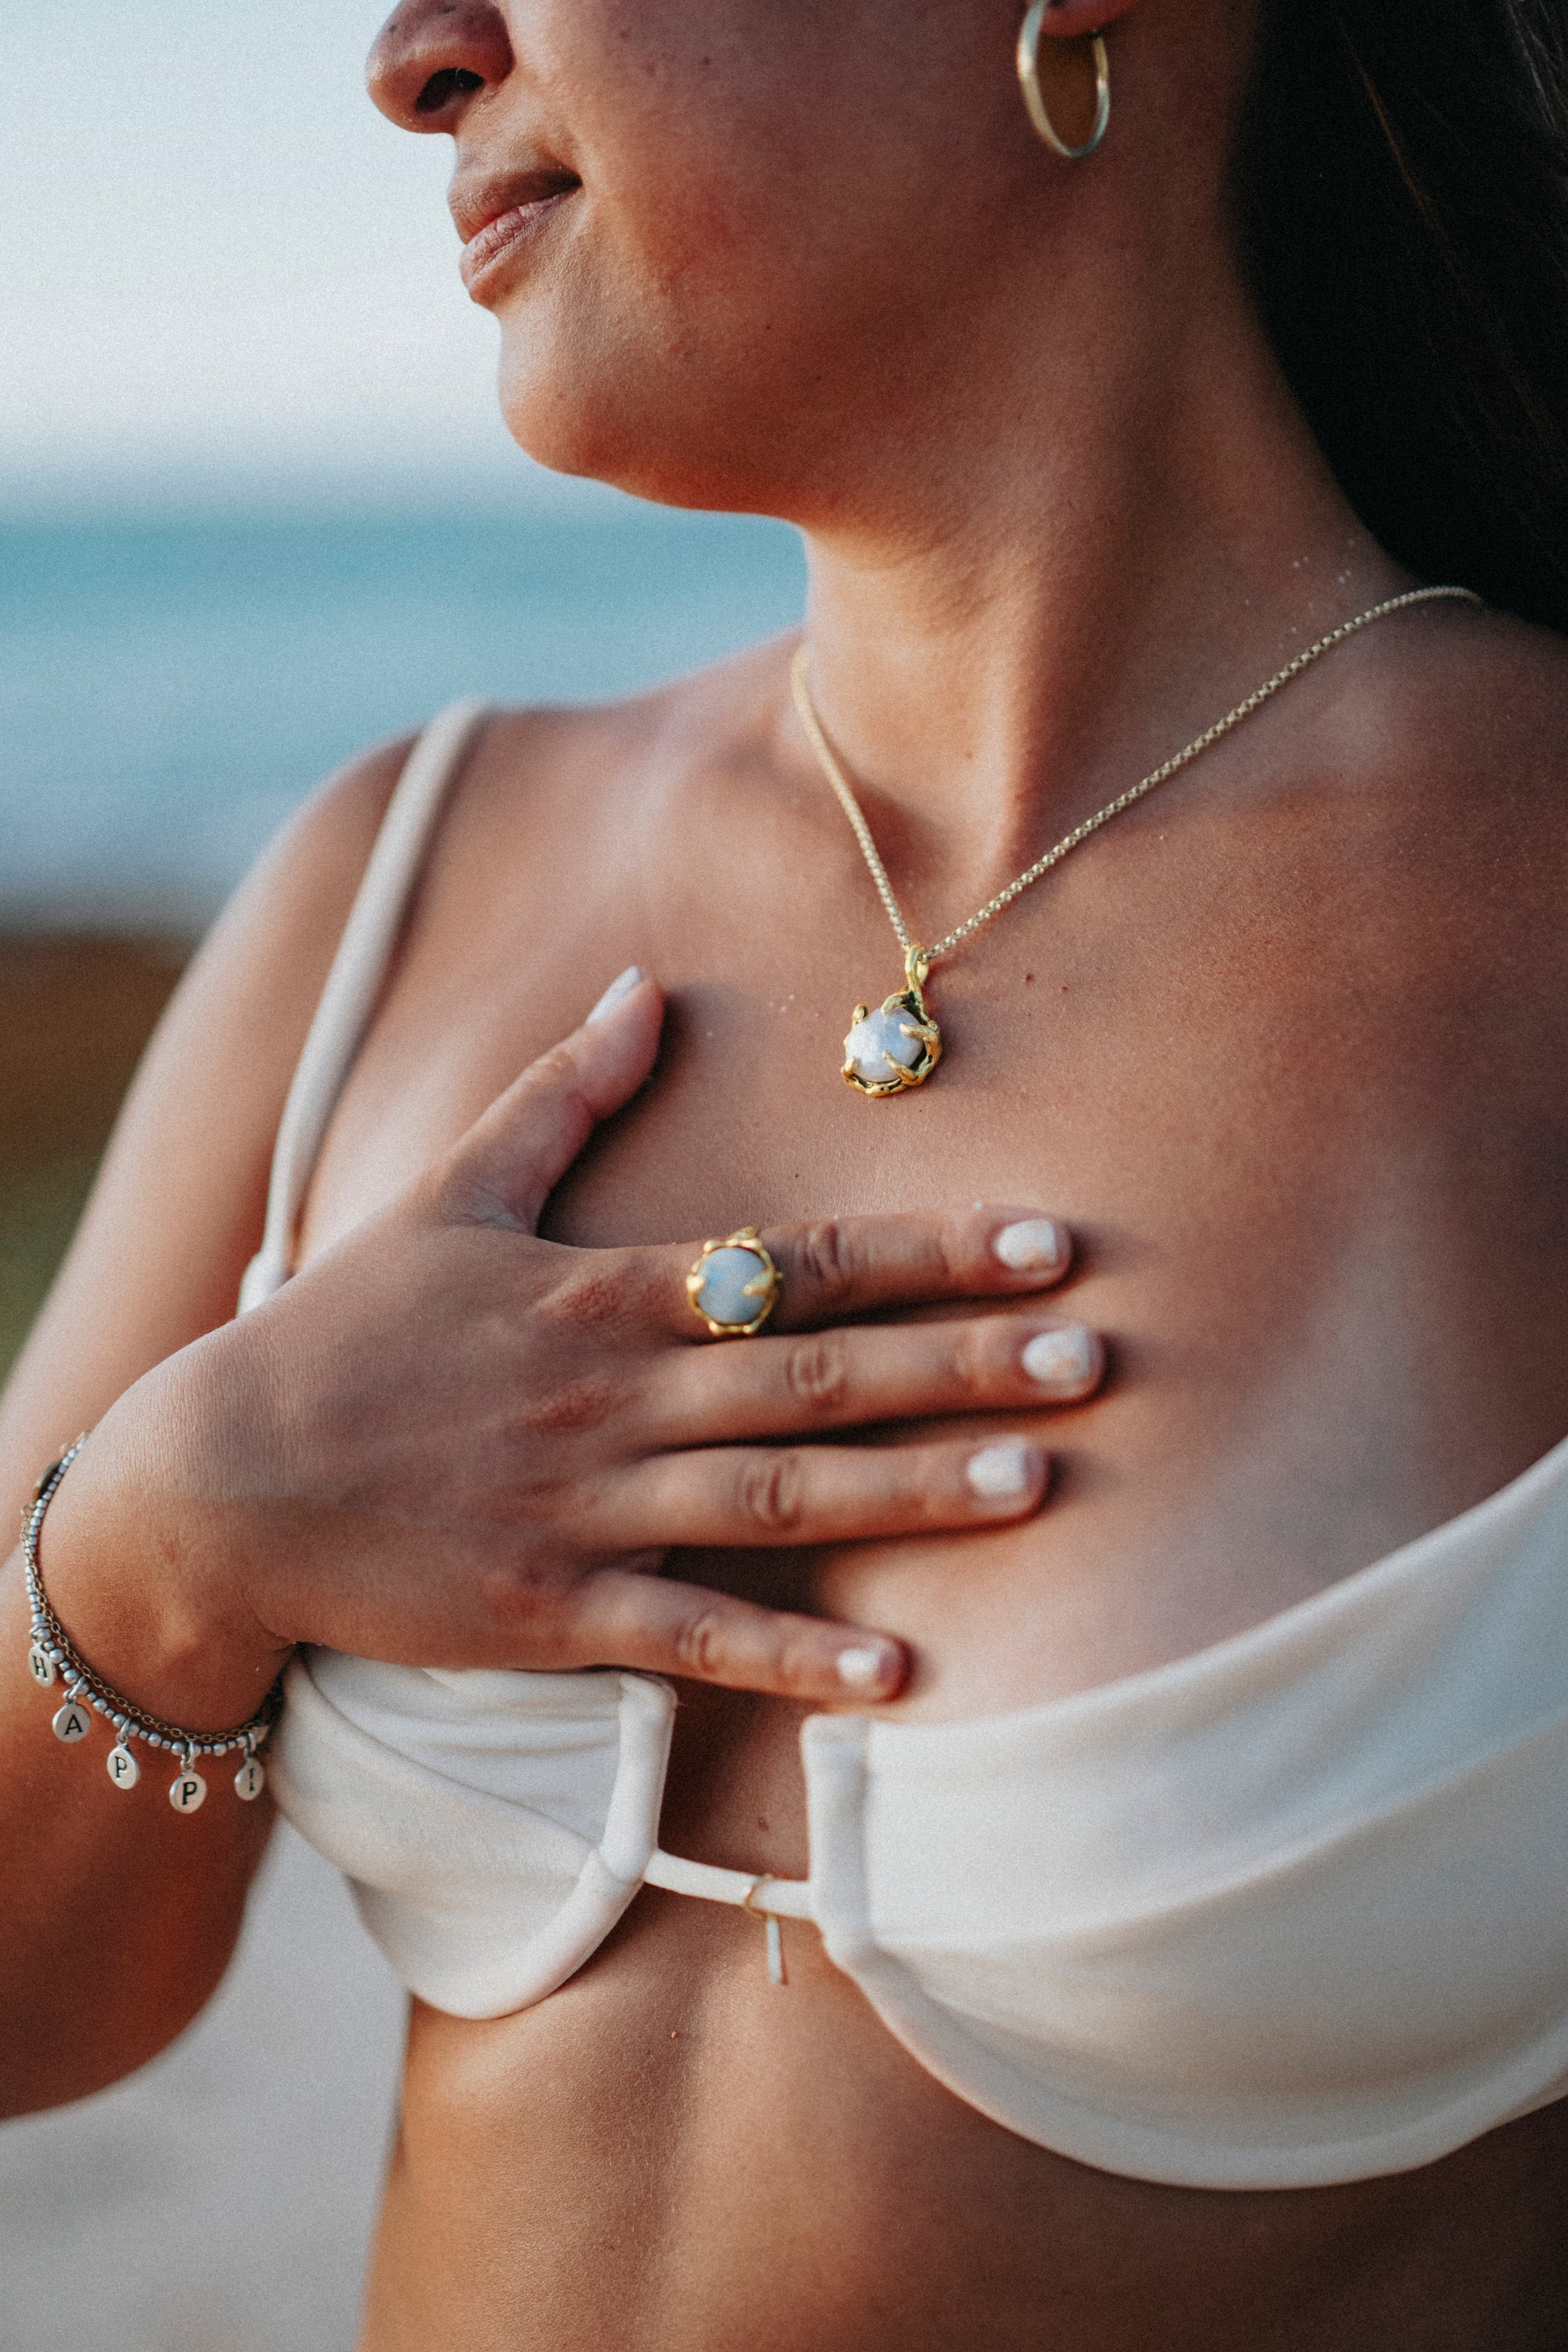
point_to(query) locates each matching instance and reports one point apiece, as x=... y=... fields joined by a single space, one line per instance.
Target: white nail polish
x=1059 y=1359
x=1001 y=1470
x=1035 y=1246
x=617 y=993
x=860 y=1668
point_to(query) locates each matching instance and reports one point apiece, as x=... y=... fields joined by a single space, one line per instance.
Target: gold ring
x=734 y=1285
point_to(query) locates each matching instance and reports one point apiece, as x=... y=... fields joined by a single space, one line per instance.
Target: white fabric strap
x=787 y=1898
x=358 y=970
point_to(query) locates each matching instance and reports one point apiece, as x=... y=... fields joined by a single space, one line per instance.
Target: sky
x=220 y=266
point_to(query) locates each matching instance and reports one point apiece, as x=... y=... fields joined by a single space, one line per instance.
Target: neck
x=1049 y=577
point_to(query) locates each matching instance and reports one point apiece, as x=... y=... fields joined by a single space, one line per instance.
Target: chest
x=1279 y=1095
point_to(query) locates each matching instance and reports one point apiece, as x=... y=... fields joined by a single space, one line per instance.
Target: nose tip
x=432 y=58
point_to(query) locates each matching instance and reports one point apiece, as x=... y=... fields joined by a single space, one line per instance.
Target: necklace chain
x=801 y=687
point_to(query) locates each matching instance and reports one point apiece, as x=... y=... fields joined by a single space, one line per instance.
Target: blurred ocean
x=170 y=688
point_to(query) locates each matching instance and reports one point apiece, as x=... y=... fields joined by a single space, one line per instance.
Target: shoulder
x=1434 y=747
x=251 y=988
x=1478 y=759
x=240 y=1013
x=1459 y=697
x=270 y=953
x=708 y=715
x=1433 y=826
x=546 y=790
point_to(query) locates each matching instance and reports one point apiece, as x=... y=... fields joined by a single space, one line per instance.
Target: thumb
x=502 y=1170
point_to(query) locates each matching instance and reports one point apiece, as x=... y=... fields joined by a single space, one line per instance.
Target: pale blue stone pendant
x=899 y=1045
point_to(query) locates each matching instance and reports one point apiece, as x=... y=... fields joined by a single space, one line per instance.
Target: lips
x=495 y=214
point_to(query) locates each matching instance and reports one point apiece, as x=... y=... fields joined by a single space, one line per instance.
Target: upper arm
x=177 y=1210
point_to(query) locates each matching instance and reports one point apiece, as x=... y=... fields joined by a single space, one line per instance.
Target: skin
x=1284 y=1044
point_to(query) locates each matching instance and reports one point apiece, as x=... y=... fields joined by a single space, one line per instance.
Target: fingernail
x=998 y=1473
x=1035 y=1246
x=860 y=1668
x=1062 y=1359
x=617 y=993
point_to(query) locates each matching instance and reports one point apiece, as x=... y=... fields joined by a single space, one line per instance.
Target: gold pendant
x=898 y=1047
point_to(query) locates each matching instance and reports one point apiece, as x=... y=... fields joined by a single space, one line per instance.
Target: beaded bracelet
x=51 y=1657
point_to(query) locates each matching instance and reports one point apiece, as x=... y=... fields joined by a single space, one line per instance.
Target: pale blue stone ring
x=734 y=1285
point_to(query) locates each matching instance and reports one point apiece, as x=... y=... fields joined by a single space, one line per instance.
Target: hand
x=450 y=1443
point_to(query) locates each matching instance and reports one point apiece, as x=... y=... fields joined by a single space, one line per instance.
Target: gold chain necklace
x=888 y=1051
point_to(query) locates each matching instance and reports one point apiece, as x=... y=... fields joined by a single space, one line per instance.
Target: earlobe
x=1073 y=20
x=1067 y=90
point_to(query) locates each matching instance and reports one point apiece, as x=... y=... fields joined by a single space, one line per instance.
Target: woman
x=1208 y=1990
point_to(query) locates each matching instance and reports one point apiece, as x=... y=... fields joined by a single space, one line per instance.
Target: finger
x=685 y=1631
x=850 y=1379
x=751 y=1496
x=852 y=1266
x=842 y=1266
x=502 y=1169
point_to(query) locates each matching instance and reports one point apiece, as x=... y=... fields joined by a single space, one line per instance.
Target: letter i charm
x=251 y=1778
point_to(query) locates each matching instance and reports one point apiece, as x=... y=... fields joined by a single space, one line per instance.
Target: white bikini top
x=1288 y=1912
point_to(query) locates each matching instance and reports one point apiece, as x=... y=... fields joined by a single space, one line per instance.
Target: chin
x=699 y=404
x=624 y=426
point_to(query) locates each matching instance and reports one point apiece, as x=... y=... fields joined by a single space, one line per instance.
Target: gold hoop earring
x=1029 y=82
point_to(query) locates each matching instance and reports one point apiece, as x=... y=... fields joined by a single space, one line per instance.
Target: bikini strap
x=353 y=983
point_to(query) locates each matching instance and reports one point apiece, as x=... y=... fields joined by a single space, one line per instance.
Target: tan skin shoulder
x=1461 y=720
x=1438 y=789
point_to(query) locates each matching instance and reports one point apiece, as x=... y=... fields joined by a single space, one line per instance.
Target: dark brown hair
x=1404 y=198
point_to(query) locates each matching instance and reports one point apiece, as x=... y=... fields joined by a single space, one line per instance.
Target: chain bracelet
x=52 y=1657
